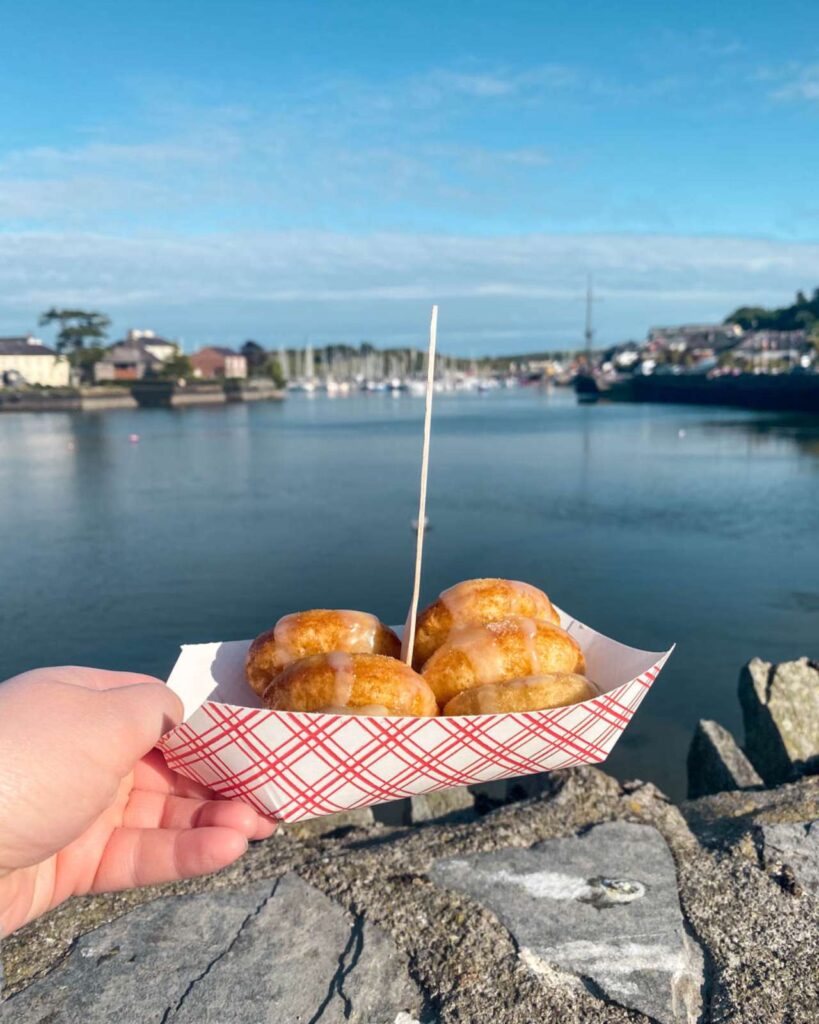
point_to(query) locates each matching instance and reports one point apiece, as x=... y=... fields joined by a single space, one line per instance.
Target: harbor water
x=126 y=533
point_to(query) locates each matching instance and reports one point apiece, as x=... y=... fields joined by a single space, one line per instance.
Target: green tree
x=255 y=356
x=77 y=326
x=802 y=313
x=83 y=359
x=179 y=365
x=272 y=368
x=749 y=317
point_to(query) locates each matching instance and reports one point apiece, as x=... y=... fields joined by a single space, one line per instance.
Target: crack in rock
x=171 y=1011
x=354 y=949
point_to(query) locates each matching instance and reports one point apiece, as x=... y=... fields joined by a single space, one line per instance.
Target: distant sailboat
x=308 y=382
x=284 y=363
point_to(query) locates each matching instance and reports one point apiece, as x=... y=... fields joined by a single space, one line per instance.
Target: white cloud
x=44 y=159
x=703 y=42
x=440 y=84
x=479 y=85
x=798 y=83
x=263 y=165
x=347 y=151
x=495 y=293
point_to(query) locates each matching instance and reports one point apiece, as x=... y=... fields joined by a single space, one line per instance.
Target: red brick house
x=216 y=362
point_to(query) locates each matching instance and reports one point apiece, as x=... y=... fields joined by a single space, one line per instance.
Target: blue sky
x=327 y=170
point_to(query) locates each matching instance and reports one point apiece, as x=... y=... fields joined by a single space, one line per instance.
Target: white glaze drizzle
x=539 y=598
x=361 y=629
x=457 y=601
x=284 y=636
x=357 y=633
x=480 y=645
x=343 y=668
x=528 y=628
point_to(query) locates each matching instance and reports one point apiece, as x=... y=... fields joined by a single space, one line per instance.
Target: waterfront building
x=216 y=362
x=125 y=361
x=769 y=346
x=694 y=337
x=137 y=354
x=160 y=348
x=27 y=360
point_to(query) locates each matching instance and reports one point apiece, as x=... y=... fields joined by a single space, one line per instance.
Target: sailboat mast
x=589 y=332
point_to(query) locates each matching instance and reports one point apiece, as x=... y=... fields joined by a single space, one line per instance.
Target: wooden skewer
x=408 y=644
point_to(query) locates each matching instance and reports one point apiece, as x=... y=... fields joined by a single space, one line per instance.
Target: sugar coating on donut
x=352 y=682
x=314 y=632
x=296 y=632
x=494 y=652
x=477 y=601
x=532 y=693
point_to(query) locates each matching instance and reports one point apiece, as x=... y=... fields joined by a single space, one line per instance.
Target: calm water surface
x=651 y=523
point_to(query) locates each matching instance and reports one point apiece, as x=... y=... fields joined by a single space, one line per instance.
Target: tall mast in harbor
x=589 y=332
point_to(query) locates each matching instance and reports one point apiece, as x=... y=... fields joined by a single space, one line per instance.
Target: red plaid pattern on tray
x=296 y=766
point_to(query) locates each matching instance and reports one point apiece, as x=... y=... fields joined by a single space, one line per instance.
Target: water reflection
x=802 y=432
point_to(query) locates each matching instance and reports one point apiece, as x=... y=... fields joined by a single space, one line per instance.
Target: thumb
x=136 y=717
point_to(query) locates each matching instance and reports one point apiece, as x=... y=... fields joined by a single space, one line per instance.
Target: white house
x=27 y=358
x=159 y=348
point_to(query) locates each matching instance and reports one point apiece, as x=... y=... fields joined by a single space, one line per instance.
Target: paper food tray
x=294 y=766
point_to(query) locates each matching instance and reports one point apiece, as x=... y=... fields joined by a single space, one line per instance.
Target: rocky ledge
x=564 y=898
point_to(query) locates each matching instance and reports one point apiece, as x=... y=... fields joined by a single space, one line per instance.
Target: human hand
x=86 y=804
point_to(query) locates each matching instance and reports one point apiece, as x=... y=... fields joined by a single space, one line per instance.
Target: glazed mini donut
x=303 y=633
x=532 y=693
x=341 y=683
x=477 y=601
x=496 y=651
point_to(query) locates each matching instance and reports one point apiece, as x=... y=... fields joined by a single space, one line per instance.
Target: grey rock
x=490 y=795
x=116 y=966
x=272 y=952
x=716 y=763
x=359 y=817
x=762 y=943
x=527 y=786
x=394 y=813
x=726 y=819
x=463 y=803
x=602 y=906
x=453 y=805
x=790 y=802
x=780 y=707
x=792 y=850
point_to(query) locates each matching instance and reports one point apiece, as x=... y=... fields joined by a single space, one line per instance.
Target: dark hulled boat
x=797 y=391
